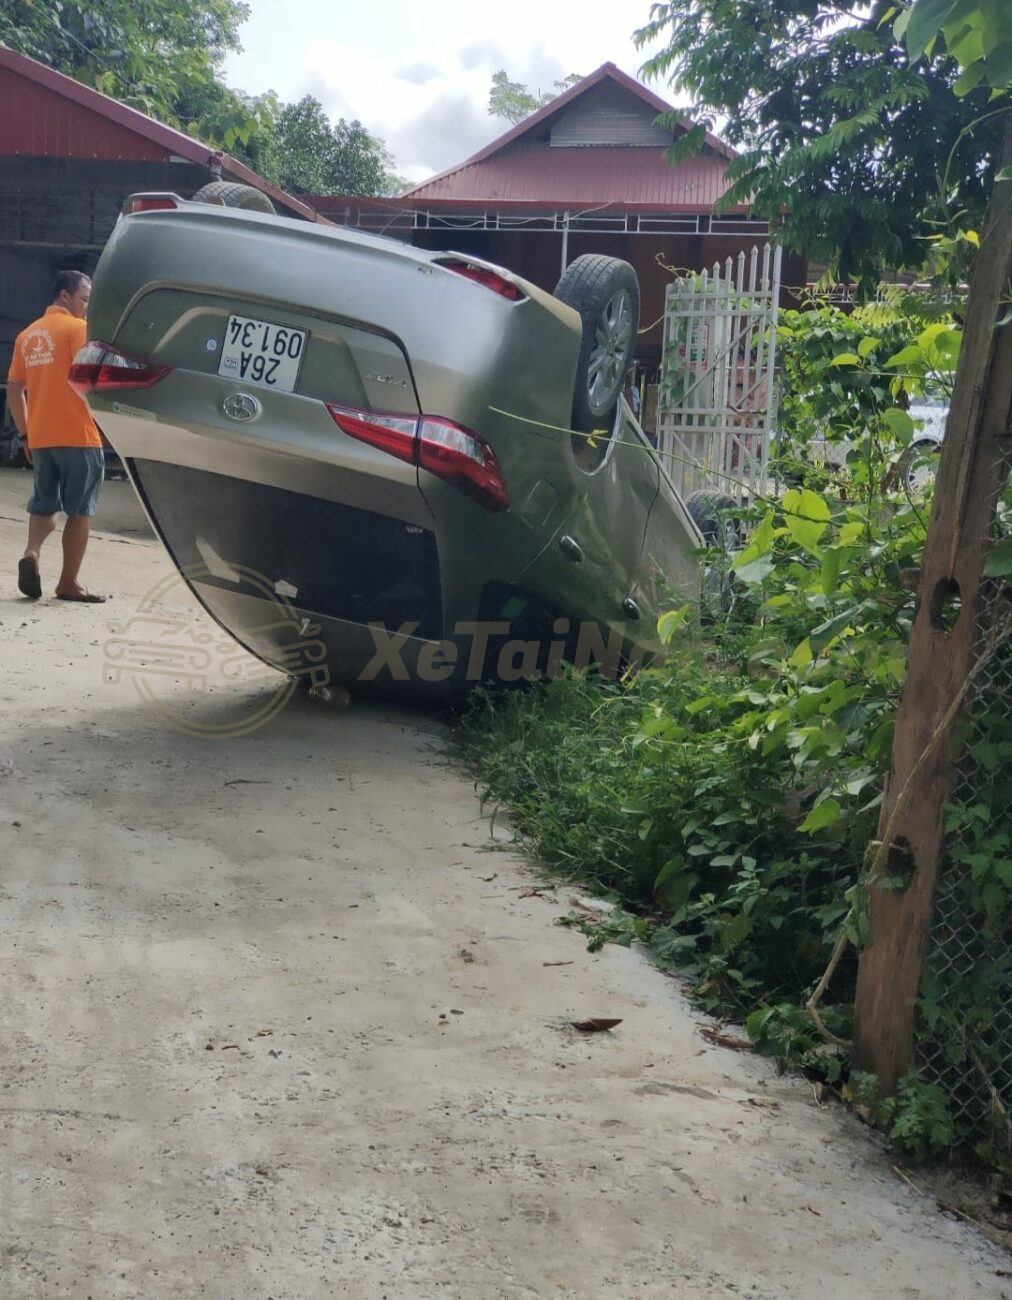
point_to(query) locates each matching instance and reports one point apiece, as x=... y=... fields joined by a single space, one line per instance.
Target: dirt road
x=278 y=1021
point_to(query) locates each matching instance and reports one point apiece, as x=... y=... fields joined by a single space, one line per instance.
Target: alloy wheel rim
x=611 y=343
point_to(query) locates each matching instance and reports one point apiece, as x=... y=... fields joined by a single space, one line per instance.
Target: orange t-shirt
x=57 y=416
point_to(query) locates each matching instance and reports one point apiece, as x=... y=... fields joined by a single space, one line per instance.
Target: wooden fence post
x=971 y=473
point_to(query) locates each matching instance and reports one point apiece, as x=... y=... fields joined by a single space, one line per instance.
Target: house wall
x=56 y=214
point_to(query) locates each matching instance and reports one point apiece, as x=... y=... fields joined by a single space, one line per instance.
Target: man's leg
x=82 y=471
x=42 y=509
x=76 y=532
x=39 y=528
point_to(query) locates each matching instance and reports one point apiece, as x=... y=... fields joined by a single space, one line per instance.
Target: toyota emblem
x=241 y=406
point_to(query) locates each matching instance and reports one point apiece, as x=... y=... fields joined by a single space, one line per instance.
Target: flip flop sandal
x=88 y=598
x=29 y=582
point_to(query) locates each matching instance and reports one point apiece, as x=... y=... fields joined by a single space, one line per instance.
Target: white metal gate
x=715 y=404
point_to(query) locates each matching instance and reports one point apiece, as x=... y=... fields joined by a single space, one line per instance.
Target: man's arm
x=18 y=407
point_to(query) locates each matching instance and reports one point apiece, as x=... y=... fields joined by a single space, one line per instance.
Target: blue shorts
x=67 y=479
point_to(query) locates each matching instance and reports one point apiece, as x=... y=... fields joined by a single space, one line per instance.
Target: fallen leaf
x=596 y=1025
x=724 y=1040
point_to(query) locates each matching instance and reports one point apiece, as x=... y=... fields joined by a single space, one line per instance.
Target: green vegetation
x=727 y=798
x=866 y=128
x=514 y=101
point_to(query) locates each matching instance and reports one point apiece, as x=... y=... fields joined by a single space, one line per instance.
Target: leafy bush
x=728 y=797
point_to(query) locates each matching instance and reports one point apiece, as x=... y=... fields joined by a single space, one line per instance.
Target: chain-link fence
x=965 y=1012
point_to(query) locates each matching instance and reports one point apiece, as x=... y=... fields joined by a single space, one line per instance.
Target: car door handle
x=571 y=548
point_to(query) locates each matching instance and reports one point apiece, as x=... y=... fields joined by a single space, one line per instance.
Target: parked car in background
x=389 y=438
x=918 y=464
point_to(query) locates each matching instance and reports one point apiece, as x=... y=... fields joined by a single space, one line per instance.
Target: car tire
x=918 y=465
x=228 y=194
x=606 y=293
x=710 y=514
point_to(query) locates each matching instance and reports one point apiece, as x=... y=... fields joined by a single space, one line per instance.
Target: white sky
x=417 y=73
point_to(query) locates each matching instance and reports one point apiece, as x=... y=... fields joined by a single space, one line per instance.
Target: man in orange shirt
x=61 y=439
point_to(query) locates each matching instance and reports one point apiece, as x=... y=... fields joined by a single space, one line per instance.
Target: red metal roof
x=522 y=167
x=623 y=180
x=49 y=115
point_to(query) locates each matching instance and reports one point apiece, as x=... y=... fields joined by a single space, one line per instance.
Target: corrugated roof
x=522 y=167
x=624 y=180
x=49 y=115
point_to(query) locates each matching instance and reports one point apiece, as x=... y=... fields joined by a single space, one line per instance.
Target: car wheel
x=230 y=195
x=918 y=465
x=605 y=292
x=710 y=513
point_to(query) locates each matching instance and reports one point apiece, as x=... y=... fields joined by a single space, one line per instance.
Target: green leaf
x=755 y=571
x=829 y=573
x=899 y=423
x=867 y=345
x=672 y=621
x=906 y=356
x=999 y=66
x=846 y=359
x=1003 y=870
x=1004 y=175
x=823 y=814
x=999 y=560
x=825 y=632
x=806 y=515
x=969 y=79
x=674 y=885
x=927 y=17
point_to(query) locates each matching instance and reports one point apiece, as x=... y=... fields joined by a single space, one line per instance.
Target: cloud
x=418 y=74
x=482 y=54
x=428 y=124
x=449 y=130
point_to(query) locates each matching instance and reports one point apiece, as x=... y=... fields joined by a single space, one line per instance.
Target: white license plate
x=256 y=352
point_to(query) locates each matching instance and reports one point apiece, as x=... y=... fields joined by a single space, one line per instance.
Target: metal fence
x=964 y=1026
x=716 y=396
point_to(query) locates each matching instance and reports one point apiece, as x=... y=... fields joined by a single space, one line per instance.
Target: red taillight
x=98 y=368
x=464 y=460
x=445 y=449
x=484 y=276
x=149 y=203
x=394 y=434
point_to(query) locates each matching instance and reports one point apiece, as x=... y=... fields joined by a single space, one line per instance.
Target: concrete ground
x=281 y=1020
